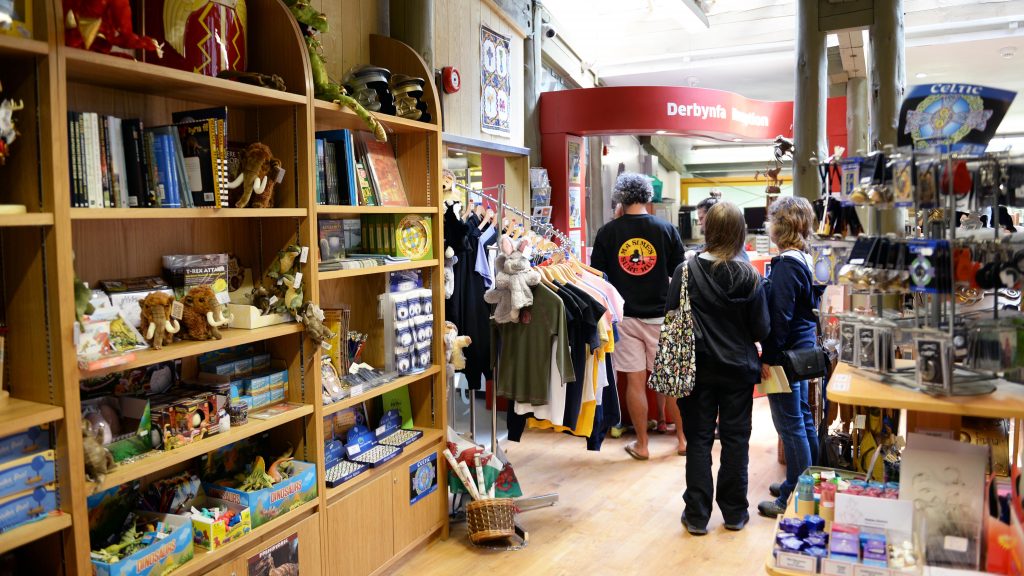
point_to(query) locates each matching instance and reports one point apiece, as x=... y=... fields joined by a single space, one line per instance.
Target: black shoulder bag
x=817 y=361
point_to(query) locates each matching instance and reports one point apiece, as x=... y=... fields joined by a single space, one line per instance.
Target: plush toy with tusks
x=512 y=281
x=203 y=315
x=260 y=172
x=157 y=325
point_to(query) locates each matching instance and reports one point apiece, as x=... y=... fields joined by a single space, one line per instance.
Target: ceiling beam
x=843 y=14
x=851 y=51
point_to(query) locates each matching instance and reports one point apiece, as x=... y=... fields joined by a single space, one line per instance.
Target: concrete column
x=532 y=50
x=888 y=71
x=809 y=108
x=857 y=116
x=412 y=22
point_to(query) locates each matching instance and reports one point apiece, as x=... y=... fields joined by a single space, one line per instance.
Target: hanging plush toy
x=101 y=25
x=8 y=131
x=313 y=23
x=512 y=281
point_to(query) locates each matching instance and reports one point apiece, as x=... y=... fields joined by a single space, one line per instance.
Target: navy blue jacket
x=792 y=299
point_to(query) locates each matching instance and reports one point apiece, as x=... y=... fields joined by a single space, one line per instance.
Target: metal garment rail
x=532 y=502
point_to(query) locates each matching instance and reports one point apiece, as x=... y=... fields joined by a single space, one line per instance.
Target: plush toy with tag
x=453 y=347
x=512 y=281
x=260 y=173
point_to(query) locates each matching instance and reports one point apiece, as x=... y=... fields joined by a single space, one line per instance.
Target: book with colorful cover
x=382 y=166
x=219 y=114
x=198 y=141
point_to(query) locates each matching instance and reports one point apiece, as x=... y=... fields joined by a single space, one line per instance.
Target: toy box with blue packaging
x=23 y=507
x=27 y=472
x=269 y=503
x=213 y=532
x=30 y=441
x=160 y=557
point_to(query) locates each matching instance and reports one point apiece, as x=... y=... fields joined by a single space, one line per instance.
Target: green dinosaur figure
x=130 y=543
x=258 y=479
x=82 y=296
x=284 y=262
x=313 y=23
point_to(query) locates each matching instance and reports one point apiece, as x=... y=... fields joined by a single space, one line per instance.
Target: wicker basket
x=491 y=519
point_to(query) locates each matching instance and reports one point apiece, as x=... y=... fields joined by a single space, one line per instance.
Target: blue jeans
x=791 y=414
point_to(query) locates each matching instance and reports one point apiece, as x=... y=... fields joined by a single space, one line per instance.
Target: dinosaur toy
x=314 y=23
x=83 y=297
x=312 y=317
x=98 y=460
x=8 y=131
x=258 y=479
x=101 y=25
x=130 y=543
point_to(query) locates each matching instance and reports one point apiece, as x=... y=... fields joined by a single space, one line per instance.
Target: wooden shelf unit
x=412 y=265
x=124 y=242
x=380 y=390
x=430 y=439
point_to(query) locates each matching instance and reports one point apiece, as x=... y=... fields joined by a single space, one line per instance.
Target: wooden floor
x=615 y=516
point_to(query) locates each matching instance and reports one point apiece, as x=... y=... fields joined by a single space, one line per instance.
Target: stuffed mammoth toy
x=158 y=328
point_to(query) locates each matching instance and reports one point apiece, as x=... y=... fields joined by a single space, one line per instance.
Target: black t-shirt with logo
x=639 y=252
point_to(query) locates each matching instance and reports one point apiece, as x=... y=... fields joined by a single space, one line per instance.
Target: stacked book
x=353 y=169
x=120 y=163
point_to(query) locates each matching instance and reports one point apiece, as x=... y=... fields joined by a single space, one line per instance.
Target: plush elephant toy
x=513 y=279
x=203 y=315
x=157 y=325
x=260 y=173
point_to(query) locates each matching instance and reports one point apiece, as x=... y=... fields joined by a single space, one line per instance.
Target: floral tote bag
x=675 y=362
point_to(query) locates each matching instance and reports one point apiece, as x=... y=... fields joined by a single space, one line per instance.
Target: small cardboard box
x=269 y=503
x=260 y=363
x=249 y=317
x=262 y=399
x=17 y=509
x=27 y=473
x=160 y=557
x=30 y=441
x=212 y=535
x=258 y=384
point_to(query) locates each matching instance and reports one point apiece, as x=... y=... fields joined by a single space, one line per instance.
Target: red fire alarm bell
x=452 y=79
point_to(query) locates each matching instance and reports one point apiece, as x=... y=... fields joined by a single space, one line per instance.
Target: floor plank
x=615 y=515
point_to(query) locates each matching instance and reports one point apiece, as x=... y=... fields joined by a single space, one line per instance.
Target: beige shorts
x=637 y=345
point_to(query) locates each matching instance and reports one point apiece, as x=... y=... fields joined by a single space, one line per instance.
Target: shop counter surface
x=856 y=387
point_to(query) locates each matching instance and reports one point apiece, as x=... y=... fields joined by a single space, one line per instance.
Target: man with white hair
x=639 y=253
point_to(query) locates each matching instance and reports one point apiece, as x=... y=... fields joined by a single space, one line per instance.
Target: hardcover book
x=383 y=168
x=198 y=140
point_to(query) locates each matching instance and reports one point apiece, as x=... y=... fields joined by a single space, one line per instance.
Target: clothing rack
x=532 y=502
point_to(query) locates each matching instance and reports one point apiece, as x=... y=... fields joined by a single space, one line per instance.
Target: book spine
x=133 y=163
x=217 y=165
x=330 y=162
x=222 y=138
x=93 y=161
x=120 y=165
x=320 y=198
x=108 y=193
x=350 y=171
x=184 y=187
x=172 y=186
x=156 y=190
x=75 y=164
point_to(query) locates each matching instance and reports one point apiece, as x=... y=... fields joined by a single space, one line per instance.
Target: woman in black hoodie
x=730 y=314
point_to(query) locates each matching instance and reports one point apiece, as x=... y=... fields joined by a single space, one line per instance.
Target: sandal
x=670 y=428
x=662 y=428
x=631 y=450
x=681 y=452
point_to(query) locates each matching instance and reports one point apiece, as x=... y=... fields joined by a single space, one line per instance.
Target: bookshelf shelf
x=33 y=531
x=380 y=390
x=331 y=116
x=183 y=213
x=14 y=46
x=358 y=210
x=413 y=265
x=123 y=74
x=17 y=415
x=430 y=438
x=30 y=219
x=231 y=337
x=157 y=460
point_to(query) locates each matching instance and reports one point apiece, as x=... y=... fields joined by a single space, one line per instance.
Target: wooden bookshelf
x=380 y=390
x=155 y=461
x=15 y=46
x=183 y=213
x=359 y=210
x=333 y=116
x=411 y=265
x=33 y=531
x=122 y=74
x=184 y=349
x=17 y=415
x=430 y=438
x=29 y=219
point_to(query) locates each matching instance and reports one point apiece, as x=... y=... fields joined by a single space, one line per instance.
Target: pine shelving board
x=206 y=560
x=355 y=210
x=184 y=349
x=33 y=531
x=11 y=46
x=380 y=390
x=18 y=415
x=336 y=116
x=124 y=74
x=431 y=437
x=183 y=213
x=27 y=219
x=412 y=265
x=158 y=460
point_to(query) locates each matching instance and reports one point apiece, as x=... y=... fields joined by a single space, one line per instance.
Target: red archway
x=568 y=115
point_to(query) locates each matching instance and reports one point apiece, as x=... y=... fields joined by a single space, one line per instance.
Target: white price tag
x=298 y=280
x=955 y=544
x=796 y=562
x=356 y=390
x=831 y=567
x=177 y=310
x=381 y=430
x=326 y=345
x=304 y=255
x=860 y=422
x=862 y=570
x=280 y=176
x=839 y=383
x=354 y=450
x=272 y=300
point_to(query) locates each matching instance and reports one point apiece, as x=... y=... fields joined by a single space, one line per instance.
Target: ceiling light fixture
x=920 y=75
x=737 y=139
x=659 y=131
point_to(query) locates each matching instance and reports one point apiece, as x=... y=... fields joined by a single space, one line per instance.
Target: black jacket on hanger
x=466 y=308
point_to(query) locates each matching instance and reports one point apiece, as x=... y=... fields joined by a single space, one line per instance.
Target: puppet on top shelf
x=260 y=173
x=203 y=36
x=102 y=26
x=313 y=23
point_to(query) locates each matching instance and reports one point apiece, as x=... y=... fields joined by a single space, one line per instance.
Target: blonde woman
x=792 y=300
x=730 y=314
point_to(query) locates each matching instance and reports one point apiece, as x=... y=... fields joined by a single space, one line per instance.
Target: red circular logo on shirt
x=637 y=256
